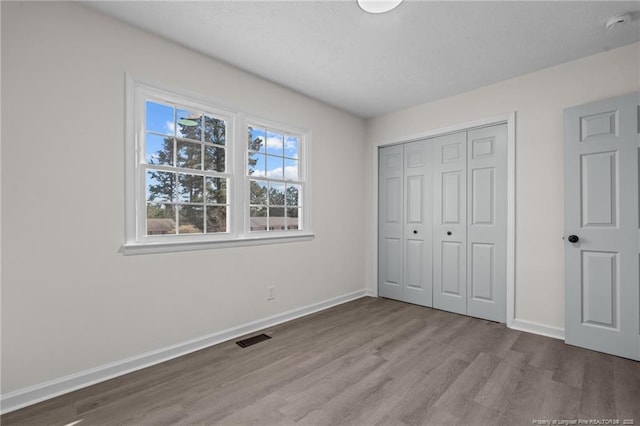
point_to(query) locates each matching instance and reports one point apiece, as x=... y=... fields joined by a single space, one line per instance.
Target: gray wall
x=538 y=100
x=70 y=301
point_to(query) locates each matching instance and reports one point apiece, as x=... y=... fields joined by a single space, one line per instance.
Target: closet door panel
x=390 y=221
x=418 y=286
x=449 y=223
x=486 y=228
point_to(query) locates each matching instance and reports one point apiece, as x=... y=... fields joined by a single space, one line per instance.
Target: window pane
x=159 y=149
x=256 y=165
x=291 y=144
x=216 y=190
x=189 y=155
x=293 y=218
x=276 y=219
x=276 y=194
x=191 y=219
x=161 y=186
x=256 y=139
x=258 y=192
x=275 y=168
x=258 y=218
x=161 y=219
x=275 y=143
x=290 y=169
x=215 y=130
x=190 y=188
x=216 y=219
x=293 y=195
x=214 y=158
x=160 y=118
x=189 y=124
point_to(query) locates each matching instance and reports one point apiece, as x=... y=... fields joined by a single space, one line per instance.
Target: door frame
x=510 y=120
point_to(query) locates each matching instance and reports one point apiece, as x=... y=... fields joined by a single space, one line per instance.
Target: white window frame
x=238 y=231
x=303 y=175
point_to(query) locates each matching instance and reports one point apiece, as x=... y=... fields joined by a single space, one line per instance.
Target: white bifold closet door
x=390 y=229
x=405 y=217
x=450 y=223
x=487 y=223
x=442 y=222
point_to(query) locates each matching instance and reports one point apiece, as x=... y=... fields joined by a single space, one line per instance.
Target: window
x=185 y=170
x=191 y=184
x=275 y=184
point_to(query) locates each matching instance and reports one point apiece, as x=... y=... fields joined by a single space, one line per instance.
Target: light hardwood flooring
x=367 y=362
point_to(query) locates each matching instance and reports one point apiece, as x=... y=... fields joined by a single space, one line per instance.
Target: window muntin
x=275 y=184
x=186 y=172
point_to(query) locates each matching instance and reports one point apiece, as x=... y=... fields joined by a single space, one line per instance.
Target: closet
x=442 y=220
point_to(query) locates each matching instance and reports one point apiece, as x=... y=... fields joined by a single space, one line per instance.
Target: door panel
x=602 y=269
x=599 y=189
x=417 y=227
x=599 y=289
x=451 y=152
x=415 y=255
x=394 y=199
x=604 y=123
x=483 y=196
x=415 y=199
x=482 y=148
x=451 y=197
x=487 y=227
x=390 y=213
x=451 y=266
x=449 y=223
x=393 y=248
x=482 y=282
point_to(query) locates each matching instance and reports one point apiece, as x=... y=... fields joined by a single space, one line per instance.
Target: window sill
x=177 y=246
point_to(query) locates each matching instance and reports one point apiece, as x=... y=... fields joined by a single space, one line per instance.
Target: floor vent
x=253 y=340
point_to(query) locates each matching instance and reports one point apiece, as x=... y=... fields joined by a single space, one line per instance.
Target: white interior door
x=450 y=222
x=390 y=220
x=602 y=220
x=487 y=223
x=417 y=227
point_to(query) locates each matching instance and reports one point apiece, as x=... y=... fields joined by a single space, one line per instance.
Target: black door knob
x=415 y=231
x=573 y=238
x=448 y=232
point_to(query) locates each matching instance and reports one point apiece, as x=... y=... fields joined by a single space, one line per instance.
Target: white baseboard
x=33 y=394
x=537 y=328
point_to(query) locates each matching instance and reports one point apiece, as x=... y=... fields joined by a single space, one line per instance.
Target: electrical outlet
x=272 y=292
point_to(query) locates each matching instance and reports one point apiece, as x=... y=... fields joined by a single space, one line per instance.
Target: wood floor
x=367 y=362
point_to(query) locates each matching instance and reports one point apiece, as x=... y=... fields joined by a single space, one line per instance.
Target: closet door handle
x=448 y=232
x=415 y=231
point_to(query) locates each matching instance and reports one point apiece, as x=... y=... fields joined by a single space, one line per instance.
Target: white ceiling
x=374 y=64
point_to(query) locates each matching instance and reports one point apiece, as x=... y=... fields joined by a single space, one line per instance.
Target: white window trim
x=303 y=170
x=238 y=235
